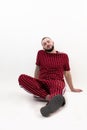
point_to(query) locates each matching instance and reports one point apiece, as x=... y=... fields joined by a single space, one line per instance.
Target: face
x=48 y=44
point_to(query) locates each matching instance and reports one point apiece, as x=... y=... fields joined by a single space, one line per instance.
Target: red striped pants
x=41 y=87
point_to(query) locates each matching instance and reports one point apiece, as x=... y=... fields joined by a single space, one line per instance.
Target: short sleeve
x=66 y=63
x=38 y=59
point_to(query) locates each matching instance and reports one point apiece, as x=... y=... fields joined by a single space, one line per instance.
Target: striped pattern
x=52 y=67
x=41 y=87
x=32 y=85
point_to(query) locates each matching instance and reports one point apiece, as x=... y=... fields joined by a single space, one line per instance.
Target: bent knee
x=20 y=78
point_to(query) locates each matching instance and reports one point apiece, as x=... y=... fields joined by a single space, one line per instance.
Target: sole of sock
x=54 y=104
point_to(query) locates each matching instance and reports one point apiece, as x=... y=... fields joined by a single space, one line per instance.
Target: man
x=48 y=83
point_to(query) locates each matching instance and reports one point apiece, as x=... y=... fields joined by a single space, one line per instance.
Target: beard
x=50 y=50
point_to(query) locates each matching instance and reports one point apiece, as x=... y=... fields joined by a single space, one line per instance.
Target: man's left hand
x=76 y=90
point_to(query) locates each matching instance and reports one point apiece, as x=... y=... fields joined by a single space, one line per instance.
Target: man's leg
x=56 y=99
x=32 y=85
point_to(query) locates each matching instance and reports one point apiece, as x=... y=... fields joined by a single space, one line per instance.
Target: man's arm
x=36 y=73
x=68 y=78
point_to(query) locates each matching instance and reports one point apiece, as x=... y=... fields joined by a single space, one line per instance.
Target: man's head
x=48 y=44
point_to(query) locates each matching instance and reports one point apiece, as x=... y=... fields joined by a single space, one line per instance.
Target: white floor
x=20 y=111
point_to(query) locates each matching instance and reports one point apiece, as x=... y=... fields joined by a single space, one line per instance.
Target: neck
x=54 y=51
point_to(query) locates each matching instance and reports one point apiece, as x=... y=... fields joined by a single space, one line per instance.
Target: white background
x=23 y=23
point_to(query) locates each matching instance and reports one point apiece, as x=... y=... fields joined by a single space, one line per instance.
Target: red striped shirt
x=52 y=65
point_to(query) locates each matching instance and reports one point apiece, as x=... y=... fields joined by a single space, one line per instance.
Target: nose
x=47 y=43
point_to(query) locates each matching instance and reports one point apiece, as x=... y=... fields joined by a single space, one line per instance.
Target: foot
x=54 y=104
x=48 y=98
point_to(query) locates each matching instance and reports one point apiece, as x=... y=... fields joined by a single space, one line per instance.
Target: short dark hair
x=45 y=38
